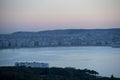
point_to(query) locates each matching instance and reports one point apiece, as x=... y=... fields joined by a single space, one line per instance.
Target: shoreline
x=53 y=47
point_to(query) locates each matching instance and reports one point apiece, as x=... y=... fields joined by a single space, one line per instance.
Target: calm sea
x=105 y=60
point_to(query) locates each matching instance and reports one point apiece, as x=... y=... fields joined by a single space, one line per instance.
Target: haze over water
x=105 y=60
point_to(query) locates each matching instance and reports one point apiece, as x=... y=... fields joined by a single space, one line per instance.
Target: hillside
x=69 y=37
x=23 y=73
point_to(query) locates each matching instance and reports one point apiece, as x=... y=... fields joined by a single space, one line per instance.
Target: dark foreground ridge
x=69 y=37
x=24 y=73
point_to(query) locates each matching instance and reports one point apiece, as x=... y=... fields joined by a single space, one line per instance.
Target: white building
x=32 y=64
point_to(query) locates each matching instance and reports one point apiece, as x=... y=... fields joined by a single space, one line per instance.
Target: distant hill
x=68 y=37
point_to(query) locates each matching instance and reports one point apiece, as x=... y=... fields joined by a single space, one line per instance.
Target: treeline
x=70 y=37
x=23 y=73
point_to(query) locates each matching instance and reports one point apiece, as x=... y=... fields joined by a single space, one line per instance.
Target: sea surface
x=105 y=60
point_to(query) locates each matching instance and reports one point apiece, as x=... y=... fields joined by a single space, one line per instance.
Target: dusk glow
x=37 y=15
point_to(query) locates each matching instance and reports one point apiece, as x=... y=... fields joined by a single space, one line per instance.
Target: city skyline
x=39 y=15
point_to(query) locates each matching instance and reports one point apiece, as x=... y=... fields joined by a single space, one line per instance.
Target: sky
x=38 y=15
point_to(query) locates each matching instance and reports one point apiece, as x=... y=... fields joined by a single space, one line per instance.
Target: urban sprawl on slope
x=69 y=37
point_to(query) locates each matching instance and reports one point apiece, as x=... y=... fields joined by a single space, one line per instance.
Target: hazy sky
x=36 y=15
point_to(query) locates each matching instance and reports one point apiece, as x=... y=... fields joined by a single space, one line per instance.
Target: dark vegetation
x=23 y=73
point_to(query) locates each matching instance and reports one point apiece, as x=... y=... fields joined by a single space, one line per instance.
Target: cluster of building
x=32 y=64
x=61 y=38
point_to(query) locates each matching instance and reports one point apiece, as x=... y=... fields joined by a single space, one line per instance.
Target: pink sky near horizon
x=37 y=15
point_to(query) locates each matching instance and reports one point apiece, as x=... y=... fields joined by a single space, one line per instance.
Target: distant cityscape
x=69 y=37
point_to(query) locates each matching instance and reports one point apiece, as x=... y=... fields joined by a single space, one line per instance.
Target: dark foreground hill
x=23 y=73
x=69 y=37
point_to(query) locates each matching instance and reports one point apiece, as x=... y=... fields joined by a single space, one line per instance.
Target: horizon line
x=61 y=29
